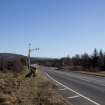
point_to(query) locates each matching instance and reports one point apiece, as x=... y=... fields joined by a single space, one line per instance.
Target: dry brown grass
x=15 y=89
x=8 y=88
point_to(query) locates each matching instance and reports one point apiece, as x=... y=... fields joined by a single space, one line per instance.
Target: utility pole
x=29 y=55
x=29 y=61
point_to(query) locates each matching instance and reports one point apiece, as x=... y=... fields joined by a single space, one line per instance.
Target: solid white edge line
x=73 y=91
x=73 y=97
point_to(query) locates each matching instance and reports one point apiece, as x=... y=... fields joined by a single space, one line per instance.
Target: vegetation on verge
x=15 y=89
x=94 y=62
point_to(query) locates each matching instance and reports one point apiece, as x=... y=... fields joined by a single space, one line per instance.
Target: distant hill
x=10 y=55
x=14 y=62
x=8 y=59
x=45 y=61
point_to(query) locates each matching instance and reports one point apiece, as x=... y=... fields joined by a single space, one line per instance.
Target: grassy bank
x=18 y=90
x=84 y=70
x=100 y=74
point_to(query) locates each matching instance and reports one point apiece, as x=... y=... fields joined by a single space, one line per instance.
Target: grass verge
x=15 y=89
x=100 y=74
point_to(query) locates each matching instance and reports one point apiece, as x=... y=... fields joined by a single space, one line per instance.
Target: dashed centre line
x=73 y=97
x=62 y=89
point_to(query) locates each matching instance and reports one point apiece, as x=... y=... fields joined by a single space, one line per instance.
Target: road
x=80 y=89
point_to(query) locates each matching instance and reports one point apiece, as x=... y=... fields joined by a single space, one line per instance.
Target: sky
x=58 y=27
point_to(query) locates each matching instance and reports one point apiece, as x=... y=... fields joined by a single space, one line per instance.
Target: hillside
x=11 y=62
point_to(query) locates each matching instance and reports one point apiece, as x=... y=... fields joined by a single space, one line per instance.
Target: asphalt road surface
x=79 y=89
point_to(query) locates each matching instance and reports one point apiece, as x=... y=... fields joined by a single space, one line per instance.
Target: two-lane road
x=80 y=89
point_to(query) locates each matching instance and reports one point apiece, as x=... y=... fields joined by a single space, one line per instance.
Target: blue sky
x=57 y=27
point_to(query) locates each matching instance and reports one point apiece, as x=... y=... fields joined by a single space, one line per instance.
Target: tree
x=23 y=60
x=85 y=60
x=101 y=59
x=95 y=58
x=76 y=60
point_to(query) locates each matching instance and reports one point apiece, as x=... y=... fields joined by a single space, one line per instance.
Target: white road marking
x=73 y=97
x=62 y=89
x=57 y=84
x=86 y=80
x=95 y=103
